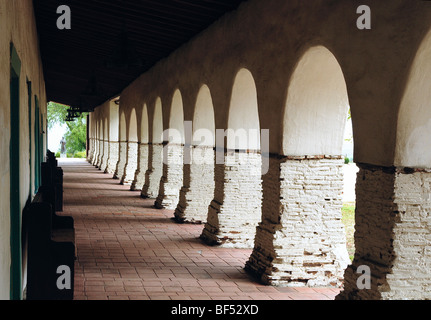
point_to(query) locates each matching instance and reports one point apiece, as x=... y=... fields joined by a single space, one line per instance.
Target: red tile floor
x=129 y=250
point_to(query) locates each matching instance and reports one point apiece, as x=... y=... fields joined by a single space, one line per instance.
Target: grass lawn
x=348 y=219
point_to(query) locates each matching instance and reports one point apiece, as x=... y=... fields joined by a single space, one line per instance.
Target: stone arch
x=393 y=202
x=172 y=179
x=235 y=210
x=316 y=106
x=155 y=153
x=304 y=243
x=198 y=179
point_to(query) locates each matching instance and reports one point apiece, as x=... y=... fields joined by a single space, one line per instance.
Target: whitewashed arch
x=176 y=120
x=123 y=127
x=243 y=123
x=316 y=106
x=133 y=127
x=413 y=146
x=144 y=125
x=203 y=119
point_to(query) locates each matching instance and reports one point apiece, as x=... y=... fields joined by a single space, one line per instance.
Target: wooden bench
x=52 y=192
x=46 y=255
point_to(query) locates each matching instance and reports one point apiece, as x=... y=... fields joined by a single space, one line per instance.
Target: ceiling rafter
x=155 y=27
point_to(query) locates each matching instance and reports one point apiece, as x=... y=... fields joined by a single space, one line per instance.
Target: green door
x=14 y=161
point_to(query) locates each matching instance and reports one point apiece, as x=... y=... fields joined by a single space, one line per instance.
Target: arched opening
x=155 y=154
x=243 y=124
x=144 y=125
x=313 y=133
x=235 y=210
x=305 y=243
x=198 y=182
x=393 y=203
x=132 y=149
x=143 y=149
x=173 y=153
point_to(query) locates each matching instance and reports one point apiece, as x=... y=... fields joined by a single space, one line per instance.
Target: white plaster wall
x=268 y=38
x=17 y=25
x=413 y=147
x=316 y=106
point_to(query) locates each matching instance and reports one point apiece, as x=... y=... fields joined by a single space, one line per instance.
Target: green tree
x=76 y=134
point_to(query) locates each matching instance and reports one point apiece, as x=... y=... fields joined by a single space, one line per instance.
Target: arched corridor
x=129 y=250
x=214 y=148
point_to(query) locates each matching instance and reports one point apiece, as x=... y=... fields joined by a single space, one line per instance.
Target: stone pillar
x=235 y=210
x=100 y=155
x=90 y=151
x=139 y=180
x=122 y=158
x=96 y=152
x=392 y=235
x=172 y=179
x=113 y=157
x=198 y=186
x=131 y=163
x=301 y=240
x=105 y=156
x=154 y=172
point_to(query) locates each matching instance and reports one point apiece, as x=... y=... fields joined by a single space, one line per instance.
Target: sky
x=54 y=136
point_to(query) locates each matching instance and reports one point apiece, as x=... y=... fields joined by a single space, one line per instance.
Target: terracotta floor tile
x=127 y=249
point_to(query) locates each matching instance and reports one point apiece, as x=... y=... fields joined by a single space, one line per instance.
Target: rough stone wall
x=392 y=235
x=142 y=168
x=172 y=179
x=154 y=172
x=121 y=163
x=235 y=211
x=198 y=187
x=131 y=164
x=307 y=247
x=113 y=157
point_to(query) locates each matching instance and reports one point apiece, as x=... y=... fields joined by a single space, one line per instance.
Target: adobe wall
x=17 y=25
